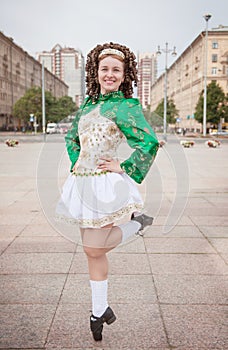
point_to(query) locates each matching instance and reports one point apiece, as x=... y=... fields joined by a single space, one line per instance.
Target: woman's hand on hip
x=112 y=165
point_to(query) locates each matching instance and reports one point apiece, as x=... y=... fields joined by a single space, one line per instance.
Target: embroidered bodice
x=99 y=137
x=97 y=130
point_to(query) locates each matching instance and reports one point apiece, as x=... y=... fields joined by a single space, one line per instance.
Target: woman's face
x=110 y=74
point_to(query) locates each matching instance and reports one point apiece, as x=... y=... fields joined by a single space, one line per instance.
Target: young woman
x=101 y=189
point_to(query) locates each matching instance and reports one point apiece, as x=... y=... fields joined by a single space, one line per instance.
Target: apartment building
x=147 y=73
x=68 y=65
x=18 y=72
x=186 y=75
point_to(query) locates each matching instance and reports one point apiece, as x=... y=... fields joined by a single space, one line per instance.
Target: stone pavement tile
x=10 y=231
x=44 y=229
x=76 y=290
x=225 y=257
x=131 y=289
x=191 y=289
x=220 y=244
x=183 y=221
x=198 y=201
x=177 y=245
x=119 y=263
x=31 y=289
x=214 y=231
x=187 y=264
x=100 y=346
x=39 y=219
x=133 y=245
x=27 y=184
x=173 y=231
x=128 y=264
x=22 y=207
x=79 y=264
x=194 y=211
x=15 y=218
x=41 y=245
x=196 y=326
x=212 y=220
x=218 y=200
x=25 y=326
x=122 y=289
x=35 y=263
x=8 y=197
x=4 y=243
x=70 y=328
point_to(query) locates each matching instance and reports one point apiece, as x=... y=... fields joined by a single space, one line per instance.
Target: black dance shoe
x=144 y=220
x=96 y=323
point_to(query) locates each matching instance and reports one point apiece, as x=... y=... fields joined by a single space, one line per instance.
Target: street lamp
x=159 y=52
x=206 y=17
x=43 y=104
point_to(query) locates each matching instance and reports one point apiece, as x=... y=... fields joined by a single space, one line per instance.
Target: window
x=214 y=58
x=214 y=45
x=214 y=70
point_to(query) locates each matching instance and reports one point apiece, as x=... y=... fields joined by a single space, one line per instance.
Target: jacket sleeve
x=72 y=138
x=140 y=136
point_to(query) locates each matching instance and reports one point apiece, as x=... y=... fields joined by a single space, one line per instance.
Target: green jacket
x=128 y=116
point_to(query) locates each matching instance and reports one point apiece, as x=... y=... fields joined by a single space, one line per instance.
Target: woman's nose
x=109 y=73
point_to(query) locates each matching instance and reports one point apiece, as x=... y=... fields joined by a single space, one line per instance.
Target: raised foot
x=96 y=323
x=144 y=220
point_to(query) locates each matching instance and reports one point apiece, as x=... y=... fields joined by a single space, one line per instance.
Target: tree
x=153 y=118
x=172 y=111
x=216 y=104
x=66 y=106
x=31 y=103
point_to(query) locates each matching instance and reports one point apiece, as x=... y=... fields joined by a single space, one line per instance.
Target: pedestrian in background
x=100 y=188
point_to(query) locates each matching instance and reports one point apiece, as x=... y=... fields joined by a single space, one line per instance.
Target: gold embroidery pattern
x=98 y=223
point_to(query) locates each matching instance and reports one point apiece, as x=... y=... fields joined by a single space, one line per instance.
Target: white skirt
x=96 y=201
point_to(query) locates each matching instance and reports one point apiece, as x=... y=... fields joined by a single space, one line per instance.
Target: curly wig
x=92 y=64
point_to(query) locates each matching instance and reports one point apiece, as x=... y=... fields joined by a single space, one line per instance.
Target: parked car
x=219 y=133
x=64 y=127
x=52 y=128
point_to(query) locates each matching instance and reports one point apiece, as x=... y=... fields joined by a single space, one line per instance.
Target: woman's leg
x=94 y=241
x=96 y=244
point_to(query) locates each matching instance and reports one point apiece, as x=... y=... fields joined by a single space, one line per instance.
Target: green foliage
x=216 y=104
x=66 y=106
x=31 y=103
x=153 y=118
x=172 y=111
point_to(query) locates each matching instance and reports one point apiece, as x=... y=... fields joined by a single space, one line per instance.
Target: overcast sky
x=37 y=25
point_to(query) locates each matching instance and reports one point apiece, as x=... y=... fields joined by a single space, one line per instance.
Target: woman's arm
x=140 y=136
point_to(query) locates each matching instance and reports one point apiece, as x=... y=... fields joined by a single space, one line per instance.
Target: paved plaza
x=168 y=288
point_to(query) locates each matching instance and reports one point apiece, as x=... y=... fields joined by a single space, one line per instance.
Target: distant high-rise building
x=68 y=65
x=147 y=73
x=186 y=76
x=18 y=73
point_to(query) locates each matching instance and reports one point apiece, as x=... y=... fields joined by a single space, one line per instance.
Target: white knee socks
x=129 y=229
x=99 y=297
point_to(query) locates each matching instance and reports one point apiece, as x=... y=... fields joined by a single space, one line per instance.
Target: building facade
x=147 y=73
x=18 y=72
x=186 y=75
x=68 y=65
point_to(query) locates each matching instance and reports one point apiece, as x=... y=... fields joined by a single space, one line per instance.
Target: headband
x=111 y=52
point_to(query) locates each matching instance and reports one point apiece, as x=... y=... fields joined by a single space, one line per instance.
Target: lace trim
x=98 y=223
